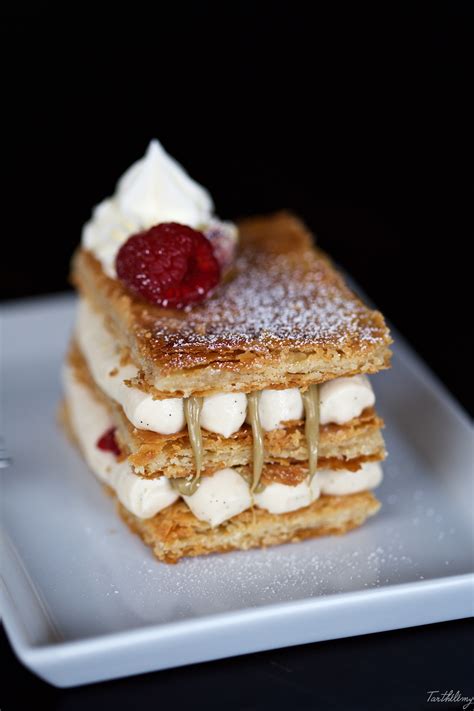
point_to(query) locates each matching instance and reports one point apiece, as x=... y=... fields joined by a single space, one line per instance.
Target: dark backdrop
x=357 y=118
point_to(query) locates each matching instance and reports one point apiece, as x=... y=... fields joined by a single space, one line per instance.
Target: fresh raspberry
x=170 y=264
x=108 y=442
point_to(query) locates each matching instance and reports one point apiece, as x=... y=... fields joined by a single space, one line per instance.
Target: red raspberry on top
x=170 y=264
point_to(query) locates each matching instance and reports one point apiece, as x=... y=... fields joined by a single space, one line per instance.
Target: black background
x=356 y=117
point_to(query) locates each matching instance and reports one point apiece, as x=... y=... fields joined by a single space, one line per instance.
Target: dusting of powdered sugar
x=415 y=538
x=263 y=577
x=271 y=301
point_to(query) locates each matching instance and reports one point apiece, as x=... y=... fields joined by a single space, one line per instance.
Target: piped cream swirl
x=155 y=189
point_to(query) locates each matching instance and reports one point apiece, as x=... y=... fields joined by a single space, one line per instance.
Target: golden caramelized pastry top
x=282 y=292
x=283 y=295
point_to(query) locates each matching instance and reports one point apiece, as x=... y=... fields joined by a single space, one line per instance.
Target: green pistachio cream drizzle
x=257 y=433
x=248 y=477
x=186 y=486
x=192 y=409
x=311 y=426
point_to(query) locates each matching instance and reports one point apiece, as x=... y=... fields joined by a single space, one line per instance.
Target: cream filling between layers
x=341 y=400
x=219 y=497
x=89 y=419
x=223 y=413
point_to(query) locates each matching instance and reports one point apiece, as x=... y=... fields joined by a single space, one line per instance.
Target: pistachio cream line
x=186 y=486
x=192 y=412
x=257 y=436
x=311 y=427
x=248 y=477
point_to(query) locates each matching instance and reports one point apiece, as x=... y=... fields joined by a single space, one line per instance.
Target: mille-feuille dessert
x=216 y=381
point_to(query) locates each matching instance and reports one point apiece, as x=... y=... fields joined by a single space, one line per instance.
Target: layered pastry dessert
x=216 y=381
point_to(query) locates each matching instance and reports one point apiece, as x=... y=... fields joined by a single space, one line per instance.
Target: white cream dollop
x=224 y=413
x=142 y=497
x=280 y=498
x=220 y=497
x=154 y=189
x=157 y=189
x=342 y=399
x=342 y=482
x=278 y=406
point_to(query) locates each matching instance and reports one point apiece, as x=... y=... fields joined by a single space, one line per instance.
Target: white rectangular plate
x=84 y=600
